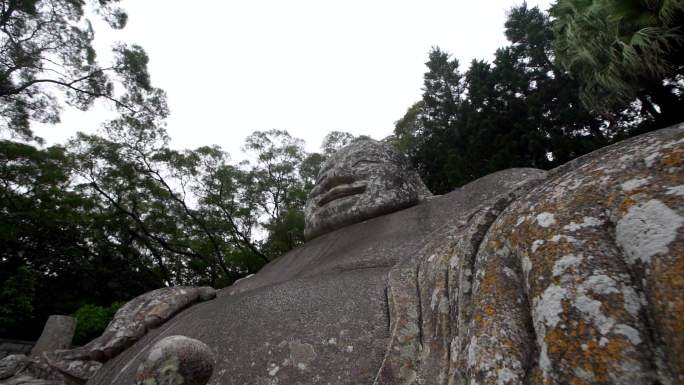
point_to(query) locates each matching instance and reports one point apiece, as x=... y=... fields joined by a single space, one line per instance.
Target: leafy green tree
x=335 y=140
x=17 y=299
x=160 y=196
x=62 y=237
x=279 y=191
x=46 y=54
x=91 y=321
x=624 y=50
x=408 y=129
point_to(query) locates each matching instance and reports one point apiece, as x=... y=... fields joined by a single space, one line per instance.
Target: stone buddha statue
x=364 y=180
x=524 y=276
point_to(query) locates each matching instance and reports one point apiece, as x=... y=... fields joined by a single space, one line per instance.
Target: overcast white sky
x=307 y=66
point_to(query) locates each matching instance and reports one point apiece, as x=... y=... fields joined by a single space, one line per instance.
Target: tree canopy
x=520 y=110
x=623 y=50
x=47 y=60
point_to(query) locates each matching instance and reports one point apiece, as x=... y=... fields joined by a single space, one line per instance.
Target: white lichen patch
x=629 y=332
x=558 y=237
x=520 y=220
x=583 y=374
x=434 y=301
x=566 y=262
x=676 y=190
x=545 y=219
x=509 y=273
x=473 y=352
x=439 y=301
x=586 y=222
x=453 y=262
x=646 y=230
x=505 y=376
x=544 y=361
x=536 y=244
x=634 y=184
x=548 y=307
x=526 y=265
x=626 y=158
x=592 y=309
x=601 y=284
x=650 y=160
x=632 y=302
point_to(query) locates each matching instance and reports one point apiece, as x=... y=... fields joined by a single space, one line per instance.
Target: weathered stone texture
x=57 y=334
x=130 y=323
x=176 y=360
x=578 y=281
x=430 y=302
x=143 y=313
x=18 y=369
x=9 y=347
x=601 y=249
x=361 y=181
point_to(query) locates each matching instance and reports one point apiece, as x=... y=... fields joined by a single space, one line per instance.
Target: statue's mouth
x=341 y=191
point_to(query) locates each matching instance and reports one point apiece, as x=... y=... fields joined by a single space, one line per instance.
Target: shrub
x=92 y=320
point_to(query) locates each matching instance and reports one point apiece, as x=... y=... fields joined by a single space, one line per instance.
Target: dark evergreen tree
x=519 y=111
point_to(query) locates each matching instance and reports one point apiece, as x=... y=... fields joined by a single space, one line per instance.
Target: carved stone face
x=366 y=179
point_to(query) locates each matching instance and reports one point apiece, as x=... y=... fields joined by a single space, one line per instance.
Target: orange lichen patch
x=667 y=288
x=576 y=349
x=673 y=158
x=626 y=204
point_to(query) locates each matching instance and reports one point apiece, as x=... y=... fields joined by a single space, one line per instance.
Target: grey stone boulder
x=19 y=369
x=176 y=360
x=141 y=314
x=130 y=323
x=57 y=334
